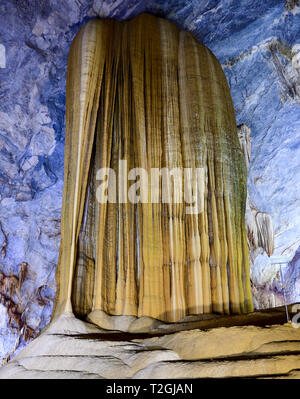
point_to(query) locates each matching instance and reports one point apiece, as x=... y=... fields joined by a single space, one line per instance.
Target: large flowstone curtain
x=148 y=93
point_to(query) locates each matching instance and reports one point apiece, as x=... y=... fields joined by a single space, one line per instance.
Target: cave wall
x=258 y=45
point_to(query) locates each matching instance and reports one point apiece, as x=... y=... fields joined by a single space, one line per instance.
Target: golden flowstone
x=146 y=92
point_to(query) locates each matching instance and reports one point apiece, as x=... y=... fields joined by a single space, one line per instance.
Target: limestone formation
x=37 y=39
x=259 y=225
x=71 y=348
x=145 y=92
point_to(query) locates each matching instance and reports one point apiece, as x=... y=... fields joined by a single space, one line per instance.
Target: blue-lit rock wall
x=258 y=44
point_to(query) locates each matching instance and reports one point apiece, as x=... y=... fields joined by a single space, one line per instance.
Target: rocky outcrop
x=291 y=4
x=70 y=348
x=288 y=72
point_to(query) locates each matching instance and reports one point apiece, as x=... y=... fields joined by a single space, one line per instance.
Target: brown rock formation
x=145 y=92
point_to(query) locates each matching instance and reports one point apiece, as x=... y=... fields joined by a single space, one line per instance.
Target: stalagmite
x=143 y=94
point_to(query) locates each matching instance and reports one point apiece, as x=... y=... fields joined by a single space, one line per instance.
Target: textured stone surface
x=138 y=259
x=258 y=46
x=70 y=348
x=292 y=281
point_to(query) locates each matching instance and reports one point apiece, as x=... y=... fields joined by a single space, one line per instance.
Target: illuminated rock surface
x=258 y=47
x=145 y=92
x=70 y=348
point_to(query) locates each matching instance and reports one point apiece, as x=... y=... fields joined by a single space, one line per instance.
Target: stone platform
x=215 y=348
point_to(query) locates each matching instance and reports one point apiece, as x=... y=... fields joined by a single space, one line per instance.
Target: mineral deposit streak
x=148 y=93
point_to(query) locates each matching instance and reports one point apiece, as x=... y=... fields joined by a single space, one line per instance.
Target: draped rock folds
x=146 y=92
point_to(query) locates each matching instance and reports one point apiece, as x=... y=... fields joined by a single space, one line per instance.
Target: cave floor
x=259 y=345
x=261 y=318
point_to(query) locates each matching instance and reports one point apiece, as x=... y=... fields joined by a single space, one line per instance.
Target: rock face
x=291 y=279
x=257 y=44
x=70 y=348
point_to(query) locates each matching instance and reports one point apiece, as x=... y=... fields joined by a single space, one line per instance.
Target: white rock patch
x=2 y=56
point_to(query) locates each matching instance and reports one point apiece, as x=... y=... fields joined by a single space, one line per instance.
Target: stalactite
x=145 y=92
x=259 y=225
x=245 y=142
x=259 y=228
x=265 y=232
